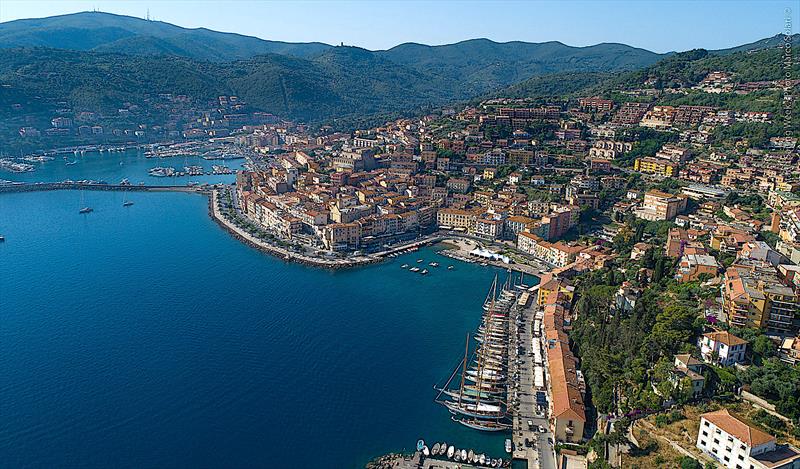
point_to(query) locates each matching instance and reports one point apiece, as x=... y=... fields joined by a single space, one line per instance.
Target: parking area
x=531 y=434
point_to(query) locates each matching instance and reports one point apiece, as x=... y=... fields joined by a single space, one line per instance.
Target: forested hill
x=339 y=82
x=97 y=61
x=759 y=61
x=106 y=32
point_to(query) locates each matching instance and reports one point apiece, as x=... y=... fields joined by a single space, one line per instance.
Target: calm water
x=148 y=337
x=112 y=167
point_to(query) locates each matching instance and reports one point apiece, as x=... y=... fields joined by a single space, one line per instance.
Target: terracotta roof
x=688 y=360
x=743 y=432
x=567 y=400
x=725 y=337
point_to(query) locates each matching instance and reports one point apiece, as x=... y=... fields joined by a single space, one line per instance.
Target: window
x=706 y=423
x=738 y=466
x=730 y=438
x=716 y=441
x=718 y=431
x=702 y=442
x=743 y=447
x=726 y=458
x=714 y=450
x=728 y=449
x=705 y=433
x=741 y=458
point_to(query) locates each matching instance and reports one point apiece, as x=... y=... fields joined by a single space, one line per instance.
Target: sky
x=659 y=26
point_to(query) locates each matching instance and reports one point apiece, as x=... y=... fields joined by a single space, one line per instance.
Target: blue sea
x=147 y=336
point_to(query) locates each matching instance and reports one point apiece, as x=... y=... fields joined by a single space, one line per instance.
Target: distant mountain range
x=98 y=60
x=106 y=32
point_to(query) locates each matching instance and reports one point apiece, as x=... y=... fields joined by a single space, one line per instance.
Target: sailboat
x=84 y=209
x=479 y=401
x=126 y=202
x=483 y=425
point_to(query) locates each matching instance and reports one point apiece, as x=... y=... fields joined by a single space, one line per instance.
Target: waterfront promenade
x=540 y=453
x=242 y=235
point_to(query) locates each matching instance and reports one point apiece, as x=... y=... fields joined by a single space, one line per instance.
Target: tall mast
x=489 y=315
x=464 y=370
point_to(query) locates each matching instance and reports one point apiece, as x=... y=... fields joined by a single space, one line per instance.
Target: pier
x=67 y=186
x=463 y=245
x=531 y=436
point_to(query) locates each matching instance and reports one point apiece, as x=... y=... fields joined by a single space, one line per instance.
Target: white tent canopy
x=486 y=254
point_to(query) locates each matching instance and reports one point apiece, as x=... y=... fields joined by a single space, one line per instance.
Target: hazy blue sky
x=656 y=25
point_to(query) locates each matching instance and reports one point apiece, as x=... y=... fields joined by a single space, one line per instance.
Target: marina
x=440 y=454
x=476 y=394
x=112 y=167
x=495 y=388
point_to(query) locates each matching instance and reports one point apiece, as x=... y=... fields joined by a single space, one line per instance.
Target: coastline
x=277 y=251
x=454 y=247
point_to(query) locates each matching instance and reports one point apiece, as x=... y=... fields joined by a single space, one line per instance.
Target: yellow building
x=551 y=284
x=755 y=297
x=455 y=218
x=656 y=166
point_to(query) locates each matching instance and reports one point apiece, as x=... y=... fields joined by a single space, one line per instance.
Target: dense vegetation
x=482 y=65
x=627 y=357
x=681 y=70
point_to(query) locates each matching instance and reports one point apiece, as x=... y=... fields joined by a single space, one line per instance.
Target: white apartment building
x=736 y=445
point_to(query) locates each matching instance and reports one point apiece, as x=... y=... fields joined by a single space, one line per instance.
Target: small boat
x=471 y=456
x=450 y=267
x=424 y=271
x=508 y=445
x=127 y=203
x=419 y=261
x=404 y=266
x=414 y=269
x=434 y=264
x=457 y=457
x=85 y=210
x=463 y=455
x=442 y=449
x=425 y=451
x=499 y=462
x=450 y=451
x=2 y=238
x=482 y=459
x=420 y=444
x=435 y=449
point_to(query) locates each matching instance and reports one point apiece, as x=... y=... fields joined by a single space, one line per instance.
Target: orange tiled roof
x=743 y=432
x=725 y=337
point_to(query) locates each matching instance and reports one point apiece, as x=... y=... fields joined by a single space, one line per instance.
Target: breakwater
x=55 y=186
